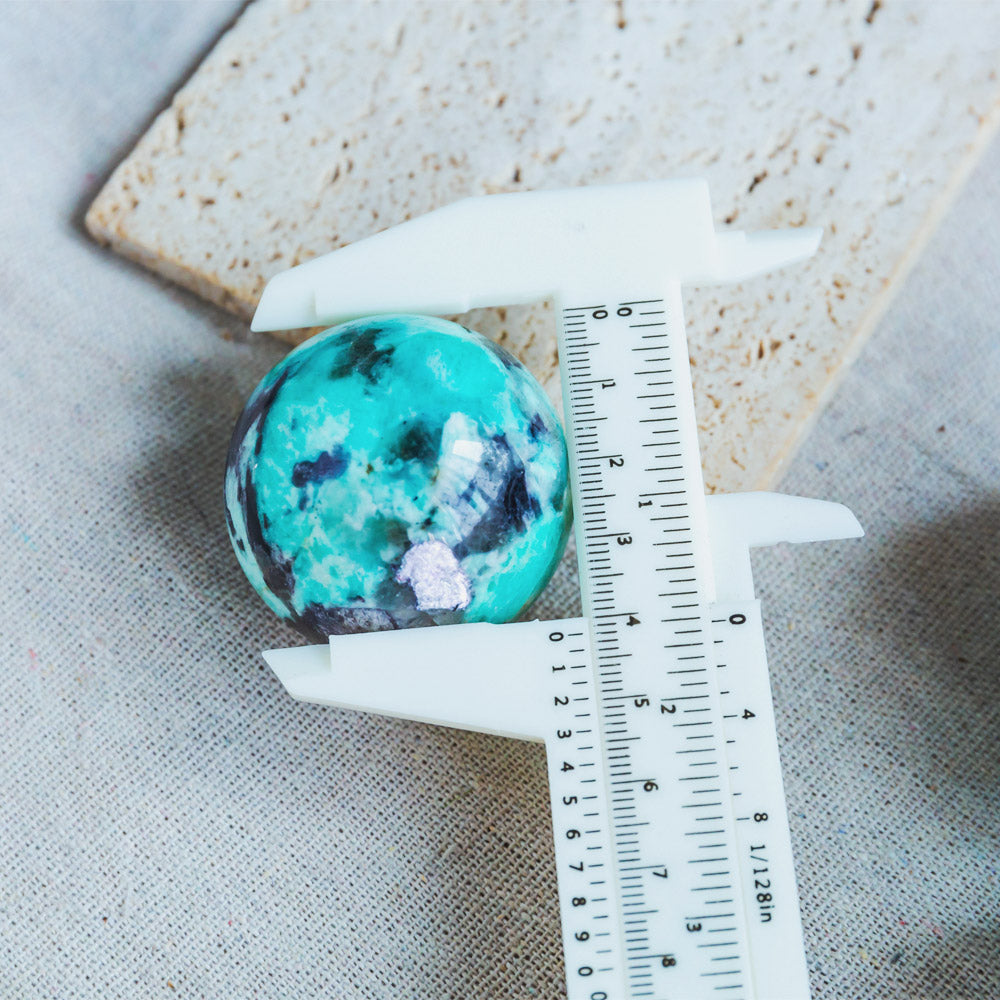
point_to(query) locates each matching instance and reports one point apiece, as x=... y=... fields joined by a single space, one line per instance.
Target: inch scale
x=674 y=860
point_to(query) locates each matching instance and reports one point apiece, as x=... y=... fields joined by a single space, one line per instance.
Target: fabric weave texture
x=174 y=825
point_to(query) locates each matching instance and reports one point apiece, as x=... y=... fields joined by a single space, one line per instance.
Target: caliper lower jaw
x=473 y=676
x=738 y=522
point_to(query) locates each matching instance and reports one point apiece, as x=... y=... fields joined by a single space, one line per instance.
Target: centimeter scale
x=672 y=847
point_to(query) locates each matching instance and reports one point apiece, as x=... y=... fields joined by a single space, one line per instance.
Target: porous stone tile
x=310 y=126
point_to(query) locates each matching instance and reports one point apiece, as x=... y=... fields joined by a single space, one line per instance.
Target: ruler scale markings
x=596 y=579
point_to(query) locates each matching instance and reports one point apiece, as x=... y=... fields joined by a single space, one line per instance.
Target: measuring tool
x=674 y=861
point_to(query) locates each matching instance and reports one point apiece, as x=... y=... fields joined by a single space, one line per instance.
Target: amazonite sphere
x=397 y=471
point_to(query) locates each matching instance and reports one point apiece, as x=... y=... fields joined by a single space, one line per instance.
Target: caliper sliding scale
x=674 y=861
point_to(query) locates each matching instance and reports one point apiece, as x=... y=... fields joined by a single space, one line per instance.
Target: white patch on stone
x=436 y=577
x=472 y=450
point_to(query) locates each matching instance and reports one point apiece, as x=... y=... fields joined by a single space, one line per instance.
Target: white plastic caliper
x=674 y=861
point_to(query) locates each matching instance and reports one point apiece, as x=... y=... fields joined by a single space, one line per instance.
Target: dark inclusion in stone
x=502 y=484
x=537 y=427
x=319 y=621
x=420 y=443
x=365 y=356
x=329 y=465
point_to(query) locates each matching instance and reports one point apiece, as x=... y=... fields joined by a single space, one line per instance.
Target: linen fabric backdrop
x=174 y=825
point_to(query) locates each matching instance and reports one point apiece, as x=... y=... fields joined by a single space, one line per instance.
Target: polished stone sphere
x=397 y=471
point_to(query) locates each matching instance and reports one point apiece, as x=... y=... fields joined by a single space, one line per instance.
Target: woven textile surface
x=173 y=825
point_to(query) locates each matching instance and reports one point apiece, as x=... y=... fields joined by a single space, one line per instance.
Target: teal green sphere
x=397 y=471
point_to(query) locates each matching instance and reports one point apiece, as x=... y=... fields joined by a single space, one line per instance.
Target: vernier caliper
x=674 y=862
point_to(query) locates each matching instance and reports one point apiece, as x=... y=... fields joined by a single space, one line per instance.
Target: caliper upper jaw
x=508 y=249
